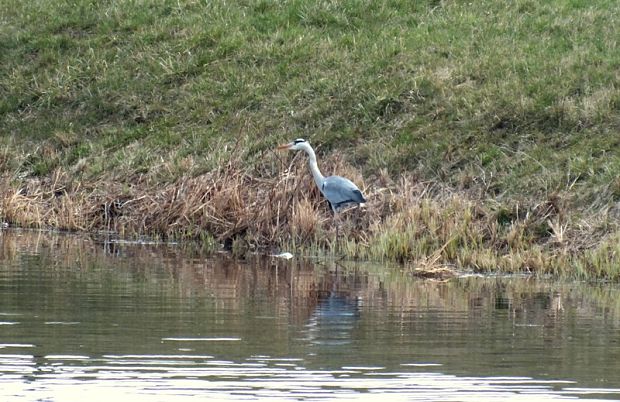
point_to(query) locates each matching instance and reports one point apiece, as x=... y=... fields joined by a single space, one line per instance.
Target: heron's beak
x=284 y=147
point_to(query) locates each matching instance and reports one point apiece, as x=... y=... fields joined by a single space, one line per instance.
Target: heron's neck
x=314 y=167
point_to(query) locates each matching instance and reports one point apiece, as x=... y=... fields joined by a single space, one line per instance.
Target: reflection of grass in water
x=172 y=295
x=166 y=270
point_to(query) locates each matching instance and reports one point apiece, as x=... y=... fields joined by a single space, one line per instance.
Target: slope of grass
x=513 y=105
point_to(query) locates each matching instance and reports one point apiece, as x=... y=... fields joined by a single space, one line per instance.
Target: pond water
x=88 y=320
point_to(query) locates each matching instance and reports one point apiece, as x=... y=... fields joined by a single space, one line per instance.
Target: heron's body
x=338 y=190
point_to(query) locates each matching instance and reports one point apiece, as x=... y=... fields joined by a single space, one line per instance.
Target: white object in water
x=285 y=255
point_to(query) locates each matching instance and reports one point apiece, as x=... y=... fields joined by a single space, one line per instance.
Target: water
x=84 y=320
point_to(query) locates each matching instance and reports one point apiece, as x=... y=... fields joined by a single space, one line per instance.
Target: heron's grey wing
x=340 y=191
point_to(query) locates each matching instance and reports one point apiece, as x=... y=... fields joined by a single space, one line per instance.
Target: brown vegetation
x=280 y=209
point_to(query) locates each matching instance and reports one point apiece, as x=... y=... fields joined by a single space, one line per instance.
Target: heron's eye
x=299 y=140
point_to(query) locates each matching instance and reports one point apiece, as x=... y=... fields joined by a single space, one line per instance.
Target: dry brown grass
x=424 y=224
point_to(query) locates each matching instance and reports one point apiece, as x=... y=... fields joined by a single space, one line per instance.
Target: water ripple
x=184 y=377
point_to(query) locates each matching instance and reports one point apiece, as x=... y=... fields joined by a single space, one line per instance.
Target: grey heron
x=338 y=190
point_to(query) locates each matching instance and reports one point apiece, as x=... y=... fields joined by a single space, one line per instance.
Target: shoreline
x=424 y=225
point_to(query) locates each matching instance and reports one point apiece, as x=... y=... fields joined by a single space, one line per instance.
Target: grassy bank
x=485 y=134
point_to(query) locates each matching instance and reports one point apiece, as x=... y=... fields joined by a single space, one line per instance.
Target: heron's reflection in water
x=333 y=319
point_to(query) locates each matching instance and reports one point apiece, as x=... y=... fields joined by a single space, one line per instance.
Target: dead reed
x=421 y=223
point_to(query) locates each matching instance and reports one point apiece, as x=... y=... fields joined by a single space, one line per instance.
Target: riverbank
x=484 y=135
x=420 y=223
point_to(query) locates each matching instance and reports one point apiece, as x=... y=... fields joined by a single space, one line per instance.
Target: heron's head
x=296 y=145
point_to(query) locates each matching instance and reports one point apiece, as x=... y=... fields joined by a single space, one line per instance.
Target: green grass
x=512 y=103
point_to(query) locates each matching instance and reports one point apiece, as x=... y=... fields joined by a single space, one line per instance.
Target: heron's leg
x=337 y=222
